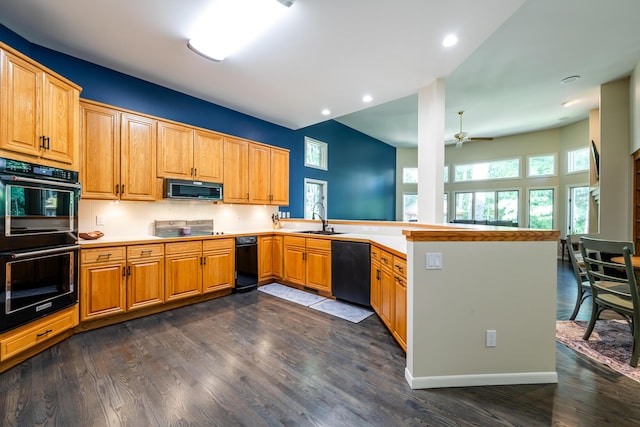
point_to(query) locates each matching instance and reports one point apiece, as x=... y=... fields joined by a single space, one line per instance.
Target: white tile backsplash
x=136 y=218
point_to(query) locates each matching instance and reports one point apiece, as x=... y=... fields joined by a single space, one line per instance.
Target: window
x=541 y=208
x=315 y=198
x=445 y=209
x=409 y=207
x=315 y=153
x=578 y=210
x=578 y=160
x=544 y=165
x=497 y=169
x=409 y=175
x=487 y=206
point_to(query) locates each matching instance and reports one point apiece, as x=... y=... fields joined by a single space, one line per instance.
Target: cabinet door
x=400 y=312
x=183 y=276
x=20 y=105
x=259 y=174
x=294 y=262
x=208 y=156
x=236 y=170
x=138 y=158
x=103 y=291
x=318 y=269
x=265 y=257
x=375 y=286
x=278 y=265
x=100 y=165
x=175 y=151
x=279 y=176
x=218 y=271
x=145 y=283
x=59 y=119
x=387 y=294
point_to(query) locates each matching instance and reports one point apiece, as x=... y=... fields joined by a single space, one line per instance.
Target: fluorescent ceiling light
x=450 y=40
x=228 y=25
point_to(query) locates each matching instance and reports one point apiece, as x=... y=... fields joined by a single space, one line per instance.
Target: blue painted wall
x=361 y=175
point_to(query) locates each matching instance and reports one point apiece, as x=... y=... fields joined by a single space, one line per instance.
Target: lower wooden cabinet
x=183 y=269
x=270 y=257
x=307 y=262
x=102 y=282
x=21 y=339
x=389 y=292
x=218 y=265
x=145 y=276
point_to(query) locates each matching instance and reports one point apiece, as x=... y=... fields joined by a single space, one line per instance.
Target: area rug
x=342 y=310
x=291 y=294
x=610 y=343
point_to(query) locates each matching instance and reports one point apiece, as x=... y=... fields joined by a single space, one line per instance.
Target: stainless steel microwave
x=195 y=190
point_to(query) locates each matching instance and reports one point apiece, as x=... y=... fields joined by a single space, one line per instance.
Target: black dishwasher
x=246 y=263
x=351 y=272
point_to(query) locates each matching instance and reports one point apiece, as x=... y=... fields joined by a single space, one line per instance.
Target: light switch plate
x=100 y=220
x=434 y=261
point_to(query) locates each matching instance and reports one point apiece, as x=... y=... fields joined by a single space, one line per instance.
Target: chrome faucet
x=325 y=223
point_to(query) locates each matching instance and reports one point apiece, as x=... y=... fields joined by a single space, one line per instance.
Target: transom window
x=410 y=175
x=315 y=153
x=578 y=160
x=496 y=169
x=543 y=165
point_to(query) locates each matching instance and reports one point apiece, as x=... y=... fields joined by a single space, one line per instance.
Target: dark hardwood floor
x=252 y=360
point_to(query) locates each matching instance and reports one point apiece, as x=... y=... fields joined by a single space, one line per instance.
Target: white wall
x=509 y=287
x=130 y=219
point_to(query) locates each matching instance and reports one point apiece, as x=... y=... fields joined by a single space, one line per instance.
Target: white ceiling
x=504 y=73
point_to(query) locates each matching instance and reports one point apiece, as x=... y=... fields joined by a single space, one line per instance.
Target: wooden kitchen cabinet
x=400 y=301
x=268 y=175
x=145 y=276
x=218 y=265
x=102 y=282
x=307 y=262
x=270 y=257
x=38 y=112
x=375 y=279
x=236 y=170
x=188 y=153
x=183 y=270
x=118 y=154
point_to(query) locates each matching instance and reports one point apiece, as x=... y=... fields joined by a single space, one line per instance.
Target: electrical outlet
x=491 y=338
x=100 y=220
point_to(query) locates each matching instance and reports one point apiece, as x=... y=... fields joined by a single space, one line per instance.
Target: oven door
x=38 y=213
x=37 y=283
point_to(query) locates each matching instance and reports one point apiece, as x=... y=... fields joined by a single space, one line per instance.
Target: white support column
x=431 y=152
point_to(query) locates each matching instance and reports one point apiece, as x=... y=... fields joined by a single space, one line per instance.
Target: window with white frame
x=409 y=207
x=541 y=212
x=578 y=211
x=315 y=199
x=409 y=175
x=541 y=165
x=578 y=160
x=496 y=169
x=446 y=173
x=487 y=205
x=316 y=153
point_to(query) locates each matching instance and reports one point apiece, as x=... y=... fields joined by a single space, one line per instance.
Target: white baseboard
x=480 y=380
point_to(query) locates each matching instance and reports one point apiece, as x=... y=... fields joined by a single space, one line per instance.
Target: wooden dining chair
x=579 y=271
x=617 y=292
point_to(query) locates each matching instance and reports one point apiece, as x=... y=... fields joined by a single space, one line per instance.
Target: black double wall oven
x=38 y=241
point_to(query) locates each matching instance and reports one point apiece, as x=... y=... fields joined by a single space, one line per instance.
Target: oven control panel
x=37 y=171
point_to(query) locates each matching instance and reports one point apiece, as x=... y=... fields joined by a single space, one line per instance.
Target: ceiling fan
x=462 y=137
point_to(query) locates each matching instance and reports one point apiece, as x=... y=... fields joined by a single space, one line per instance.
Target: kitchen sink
x=324 y=233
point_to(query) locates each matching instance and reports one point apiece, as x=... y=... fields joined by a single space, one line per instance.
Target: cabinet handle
x=48 y=143
x=104 y=255
x=124 y=271
x=204 y=260
x=129 y=270
x=146 y=251
x=399 y=268
x=386 y=261
x=43 y=143
x=377 y=274
x=192 y=174
x=304 y=256
x=122 y=189
x=117 y=189
x=247 y=196
x=195 y=171
x=48 y=331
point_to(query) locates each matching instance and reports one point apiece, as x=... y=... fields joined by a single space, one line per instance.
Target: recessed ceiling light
x=367 y=98
x=569 y=79
x=326 y=112
x=450 y=40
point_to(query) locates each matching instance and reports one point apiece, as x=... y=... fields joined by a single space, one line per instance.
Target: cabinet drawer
x=183 y=247
x=400 y=266
x=375 y=253
x=217 y=244
x=145 y=251
x=27 y=336
x=386 y=259
x=324 y=244
x=294 y=241
x=116 y=253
